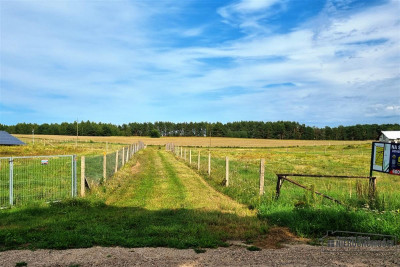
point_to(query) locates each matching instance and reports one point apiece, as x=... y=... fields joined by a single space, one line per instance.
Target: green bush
x=155 y=133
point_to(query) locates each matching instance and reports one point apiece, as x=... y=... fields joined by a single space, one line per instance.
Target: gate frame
x=74 y=188
x=283 y=177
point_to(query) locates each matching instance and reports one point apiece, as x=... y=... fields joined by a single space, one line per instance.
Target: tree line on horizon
x=241 y=129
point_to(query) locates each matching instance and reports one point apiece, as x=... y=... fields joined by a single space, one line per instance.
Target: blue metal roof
x=9 y=140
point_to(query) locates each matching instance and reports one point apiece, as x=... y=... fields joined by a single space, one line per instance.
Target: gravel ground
x=235 y=255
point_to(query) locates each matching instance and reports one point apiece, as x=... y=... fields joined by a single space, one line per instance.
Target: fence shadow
x=80 y=223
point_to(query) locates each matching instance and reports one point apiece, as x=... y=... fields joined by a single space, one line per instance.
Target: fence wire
x=94 y=169
x=25 y=180
x=110 y=166
x=4 y=182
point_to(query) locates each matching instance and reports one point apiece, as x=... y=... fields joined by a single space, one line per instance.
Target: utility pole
x=33 y=136
x=77 y=132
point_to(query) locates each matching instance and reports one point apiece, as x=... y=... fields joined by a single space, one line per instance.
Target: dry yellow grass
x=193 y=141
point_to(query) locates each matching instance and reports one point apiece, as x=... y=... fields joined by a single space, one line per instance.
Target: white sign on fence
x=385 y=158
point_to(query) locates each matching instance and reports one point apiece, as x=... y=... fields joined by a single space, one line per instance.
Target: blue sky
x=333 y=62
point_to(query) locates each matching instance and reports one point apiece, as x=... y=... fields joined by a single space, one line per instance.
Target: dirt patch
x=277 y=237
x=135 y=169
x=292 y=255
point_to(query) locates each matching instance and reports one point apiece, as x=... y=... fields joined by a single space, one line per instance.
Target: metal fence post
x=72 y=176
x=83 y=176
x=11 y=184
x=75 y=178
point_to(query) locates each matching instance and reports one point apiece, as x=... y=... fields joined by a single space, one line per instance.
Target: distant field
x=193 y=141
x=44 y=147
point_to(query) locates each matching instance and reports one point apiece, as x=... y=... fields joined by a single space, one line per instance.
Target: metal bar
x=372 y=159
x=11 y=184
x=83 y=176
x=75 y=176
x=316 y=192
x=72 y=176
x=322 y=176
x=32 y=157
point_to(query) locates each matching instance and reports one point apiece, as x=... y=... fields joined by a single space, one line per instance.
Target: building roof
x=393 y=135
x=9 y=140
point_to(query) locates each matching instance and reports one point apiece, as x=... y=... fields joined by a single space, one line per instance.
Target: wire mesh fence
x=4 y=181
x=99 y=168
x=41 y=178
x=94 y=169
x=243 y=178
x=110 y=164
x=24 y=180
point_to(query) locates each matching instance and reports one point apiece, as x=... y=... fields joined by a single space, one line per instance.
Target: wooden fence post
x=190 y=157
x=185 y=154
x=123 y=156
x=105 y=166
x=82 y=176
x=278 y=186
x=198 y=161
x=181 y=151
x=372 y=187
x=209 y=163
x=116 y=162
x=127 y=154
x=262 y=167
x=226 y=171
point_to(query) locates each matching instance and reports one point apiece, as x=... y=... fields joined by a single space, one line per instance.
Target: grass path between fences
x=154 y=200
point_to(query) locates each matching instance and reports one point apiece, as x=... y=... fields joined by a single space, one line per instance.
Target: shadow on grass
x=80 y=223
x=314 y=222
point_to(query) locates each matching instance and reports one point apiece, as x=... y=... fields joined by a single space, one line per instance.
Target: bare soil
x=235 y=255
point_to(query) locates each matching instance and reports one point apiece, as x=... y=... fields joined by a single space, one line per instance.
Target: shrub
x=155 y=133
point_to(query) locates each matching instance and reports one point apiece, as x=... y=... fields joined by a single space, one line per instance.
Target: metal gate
x=24 y=180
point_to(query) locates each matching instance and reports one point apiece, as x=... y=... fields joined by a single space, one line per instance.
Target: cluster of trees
x=242 y=129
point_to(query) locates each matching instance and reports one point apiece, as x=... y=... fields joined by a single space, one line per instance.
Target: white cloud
x=246 y=14
x=110 y=62
x=247 y=6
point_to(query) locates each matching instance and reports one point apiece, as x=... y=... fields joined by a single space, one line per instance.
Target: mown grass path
x=154 y=200
x=165 y=183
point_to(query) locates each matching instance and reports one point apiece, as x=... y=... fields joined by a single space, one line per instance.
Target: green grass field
x=305 y=213
x=157 y=200
x=153 y=201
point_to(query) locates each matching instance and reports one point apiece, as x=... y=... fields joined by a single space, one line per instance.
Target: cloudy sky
x=318 y=62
